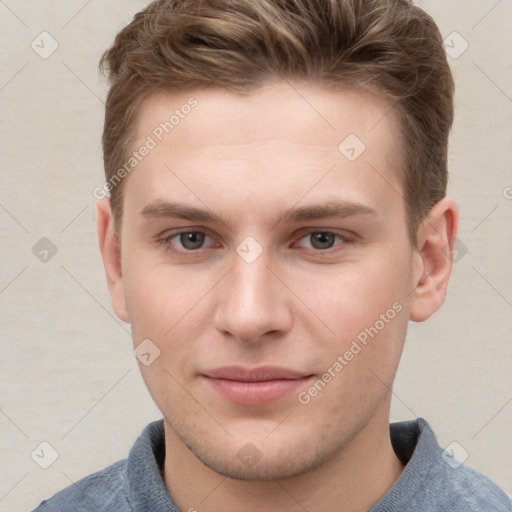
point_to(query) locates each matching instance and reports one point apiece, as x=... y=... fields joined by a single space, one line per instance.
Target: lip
x=255 y=386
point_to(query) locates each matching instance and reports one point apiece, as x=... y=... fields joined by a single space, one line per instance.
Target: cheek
x=366 y=309
x=359 y=363
x=351 y=299
x=171 y=307
x=164 y=303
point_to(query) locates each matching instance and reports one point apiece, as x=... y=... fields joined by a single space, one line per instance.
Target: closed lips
x=263 y=374
x=254 y=387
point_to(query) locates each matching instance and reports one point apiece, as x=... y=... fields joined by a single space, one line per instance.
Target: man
x=276 y=172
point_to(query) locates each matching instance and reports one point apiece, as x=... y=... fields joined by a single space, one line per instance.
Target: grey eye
x=192 y=240
x=322 y=240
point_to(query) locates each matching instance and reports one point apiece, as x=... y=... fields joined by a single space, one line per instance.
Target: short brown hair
x=388 y=47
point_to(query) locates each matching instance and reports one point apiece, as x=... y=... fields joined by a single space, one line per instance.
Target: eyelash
x=166 y=244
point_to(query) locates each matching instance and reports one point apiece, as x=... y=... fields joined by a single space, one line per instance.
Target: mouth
x=256 y=386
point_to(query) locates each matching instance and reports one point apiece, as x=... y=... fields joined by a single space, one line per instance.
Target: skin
x=249 y=161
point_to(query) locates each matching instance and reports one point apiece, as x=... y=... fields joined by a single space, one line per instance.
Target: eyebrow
x=331 y=209
x=164 y=210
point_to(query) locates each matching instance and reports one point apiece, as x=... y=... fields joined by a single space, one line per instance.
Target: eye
x=321 y=240
x=191 y=240
x=187 y=241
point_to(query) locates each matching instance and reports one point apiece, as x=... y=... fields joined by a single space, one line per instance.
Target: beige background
x=67 y=373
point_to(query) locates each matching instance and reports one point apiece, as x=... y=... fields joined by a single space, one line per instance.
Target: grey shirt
x=431 y=481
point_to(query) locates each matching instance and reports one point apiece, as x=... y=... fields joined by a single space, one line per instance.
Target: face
x=272 y=271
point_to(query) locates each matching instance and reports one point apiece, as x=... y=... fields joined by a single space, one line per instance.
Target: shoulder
x=133 y=483
x=103 y=491
x=433 y=480
x=462 y=488
x=470 y=490
x=459 y=487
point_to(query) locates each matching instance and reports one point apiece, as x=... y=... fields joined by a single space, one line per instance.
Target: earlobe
x=111 y=255
x=436 y=238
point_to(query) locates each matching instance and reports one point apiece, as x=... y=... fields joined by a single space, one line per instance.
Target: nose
x=252 y=302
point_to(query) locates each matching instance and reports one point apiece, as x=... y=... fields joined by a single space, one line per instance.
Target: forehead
x=281 y=138
x=303 y=113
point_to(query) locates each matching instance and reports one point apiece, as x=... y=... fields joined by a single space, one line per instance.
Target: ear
x=436 y=237
x=111 y=254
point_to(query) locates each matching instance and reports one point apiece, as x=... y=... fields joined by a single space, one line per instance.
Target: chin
x=278 y=466
x=278 y=456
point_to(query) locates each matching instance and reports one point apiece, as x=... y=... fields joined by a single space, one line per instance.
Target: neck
x=354 y=479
